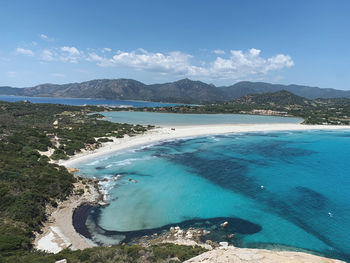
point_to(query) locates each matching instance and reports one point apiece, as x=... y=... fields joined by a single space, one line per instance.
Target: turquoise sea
x=276 y=190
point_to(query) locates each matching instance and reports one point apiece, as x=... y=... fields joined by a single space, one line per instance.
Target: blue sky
x=220 y=42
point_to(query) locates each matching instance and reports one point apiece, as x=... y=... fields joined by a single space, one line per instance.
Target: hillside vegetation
x=182 y=91
x=162 y=253
x=28 y=181
x=280 y=103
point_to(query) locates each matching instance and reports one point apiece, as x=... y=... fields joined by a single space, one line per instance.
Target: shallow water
x=294 y=185
x=155 y=118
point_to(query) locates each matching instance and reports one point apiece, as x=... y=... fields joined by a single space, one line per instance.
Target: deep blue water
x=278 y=189
x=82 y=101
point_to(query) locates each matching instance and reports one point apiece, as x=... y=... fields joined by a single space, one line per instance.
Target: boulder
x=72 y=170
x=224 y=224
x=223 y=244
x=206 y=232
x=189 y=235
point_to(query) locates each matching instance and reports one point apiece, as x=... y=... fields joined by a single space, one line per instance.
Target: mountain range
x=182 y=91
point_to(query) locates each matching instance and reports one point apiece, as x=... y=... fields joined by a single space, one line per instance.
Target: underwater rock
x=224 y=224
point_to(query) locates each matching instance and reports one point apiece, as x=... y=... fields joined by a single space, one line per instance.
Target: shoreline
x=165 y=133
x=59 y=228
x=58 y=231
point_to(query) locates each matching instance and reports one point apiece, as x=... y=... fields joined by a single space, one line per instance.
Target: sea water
x=292 y=187
x=83 y=101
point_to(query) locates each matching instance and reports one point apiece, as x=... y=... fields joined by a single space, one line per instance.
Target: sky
x=220 y=42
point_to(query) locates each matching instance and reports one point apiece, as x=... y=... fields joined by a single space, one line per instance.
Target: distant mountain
x=278 y=98
x=246 y=87
x=10 y=91
x=182 y=91
x=187 y=91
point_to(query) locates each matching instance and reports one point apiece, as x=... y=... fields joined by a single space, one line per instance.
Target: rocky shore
x=224 y=253
x=231 y=254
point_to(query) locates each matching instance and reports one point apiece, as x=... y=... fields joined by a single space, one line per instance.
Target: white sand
x=47 y=243
x=166 y=133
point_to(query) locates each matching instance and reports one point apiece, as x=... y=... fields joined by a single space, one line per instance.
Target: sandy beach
x=175 y=132
x=59 y=232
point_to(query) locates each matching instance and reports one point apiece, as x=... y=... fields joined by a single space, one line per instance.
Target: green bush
x=10 y=242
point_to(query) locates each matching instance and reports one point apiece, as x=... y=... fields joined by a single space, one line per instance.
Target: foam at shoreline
x=176 y=132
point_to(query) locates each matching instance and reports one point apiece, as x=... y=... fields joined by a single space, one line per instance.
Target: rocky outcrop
x=72 y=170
x=232 y=254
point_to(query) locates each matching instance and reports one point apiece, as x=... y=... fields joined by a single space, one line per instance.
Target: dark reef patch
x=235 y=226
x=306 y=198
x=271 y=148
x=79 y=220
x=232 y=172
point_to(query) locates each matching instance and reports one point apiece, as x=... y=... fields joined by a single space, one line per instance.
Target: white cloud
x=242 y=64
x=24 y=51
x=101 y=61
x=70 y=54
x=64 y=54
x=106 y=49
x=173 y=62
x=219 y=52
x=233 y=65
x=47 y=55
x=44 y=37
x=239 y=64
x=71 y=50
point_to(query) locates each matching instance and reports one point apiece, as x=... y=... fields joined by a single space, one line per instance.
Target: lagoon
x=175 y=119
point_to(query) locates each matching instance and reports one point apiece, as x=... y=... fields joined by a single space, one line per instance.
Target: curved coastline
x=165 y=133
x=169 y=133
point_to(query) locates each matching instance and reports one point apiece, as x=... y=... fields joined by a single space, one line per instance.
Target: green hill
x=182 y=91
x=280 y=98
